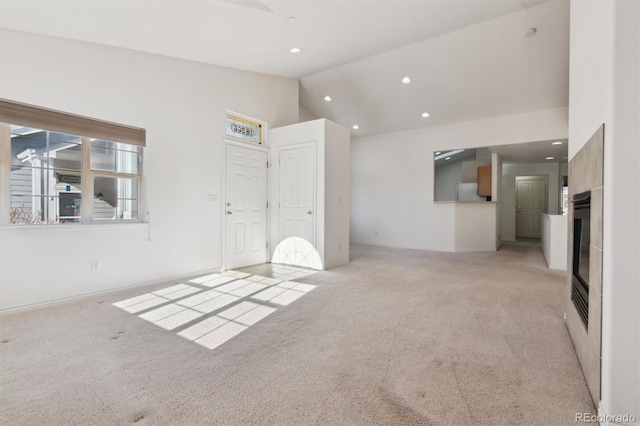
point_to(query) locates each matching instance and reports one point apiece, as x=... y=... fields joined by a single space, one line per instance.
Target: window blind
x=47 y=119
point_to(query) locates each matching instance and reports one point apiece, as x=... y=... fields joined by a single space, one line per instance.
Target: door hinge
x=267 y=204
x=278 y=161
x=278 y=205
x=267 y=244
x=267 y=164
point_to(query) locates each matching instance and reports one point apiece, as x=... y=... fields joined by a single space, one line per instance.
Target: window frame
x=89 y=129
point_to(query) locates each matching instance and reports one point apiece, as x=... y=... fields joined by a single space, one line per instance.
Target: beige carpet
x=397 y=337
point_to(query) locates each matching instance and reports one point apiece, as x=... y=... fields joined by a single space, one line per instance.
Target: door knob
x=229 y=213
x=309 y=212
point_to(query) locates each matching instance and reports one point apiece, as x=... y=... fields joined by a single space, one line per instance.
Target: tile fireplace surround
x=586 y=173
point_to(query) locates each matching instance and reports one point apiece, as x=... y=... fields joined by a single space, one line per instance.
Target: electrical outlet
x=95 y=264
x=565 y=317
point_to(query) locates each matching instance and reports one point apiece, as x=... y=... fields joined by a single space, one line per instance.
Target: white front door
x=297 y=207
x=245 y=207
x=531 y=202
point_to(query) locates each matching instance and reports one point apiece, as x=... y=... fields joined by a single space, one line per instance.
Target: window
x=73 y=170
x=243 y=128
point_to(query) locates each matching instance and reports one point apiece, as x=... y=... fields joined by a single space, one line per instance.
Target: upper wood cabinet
x=484 y=181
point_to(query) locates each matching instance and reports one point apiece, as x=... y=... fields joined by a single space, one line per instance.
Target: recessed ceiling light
x=549 y=158
x=557 y=143
x=295 y=50
x=437 y=153
x=328 y=98
x=291 y=18
x=531 y=32
x=448 y=158
x=406 y=80
x=356 y=127
x=425 y=114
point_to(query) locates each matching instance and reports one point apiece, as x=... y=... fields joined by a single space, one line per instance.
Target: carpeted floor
x=397 y=337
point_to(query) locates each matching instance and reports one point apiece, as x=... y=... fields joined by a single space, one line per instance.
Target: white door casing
x=531 y=202
x=297 y=224
x=245 y=207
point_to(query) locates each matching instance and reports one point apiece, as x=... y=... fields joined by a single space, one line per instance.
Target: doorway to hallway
x=531 y=202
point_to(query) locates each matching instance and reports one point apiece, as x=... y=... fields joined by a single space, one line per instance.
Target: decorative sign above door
x=242 y=128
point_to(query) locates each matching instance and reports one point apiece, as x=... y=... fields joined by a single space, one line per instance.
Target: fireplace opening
x=580 y=266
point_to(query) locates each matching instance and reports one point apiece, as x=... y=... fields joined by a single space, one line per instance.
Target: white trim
x=265 y=129
x=5 y=174
x=556 y=267
x=22 y=230
x=243 y=144
x=546 y=197
x=223 y=195
x=60 y=301
x=86 y=209
x=603 y=412
x=335 y=265
x=278 y=151
x=403 y=247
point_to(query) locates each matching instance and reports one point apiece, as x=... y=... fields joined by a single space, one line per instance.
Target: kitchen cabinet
x=484 y=181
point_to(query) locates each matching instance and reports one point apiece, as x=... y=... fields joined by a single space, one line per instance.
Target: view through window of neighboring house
x=47 y=173
x=46 y=169
x=116 y=180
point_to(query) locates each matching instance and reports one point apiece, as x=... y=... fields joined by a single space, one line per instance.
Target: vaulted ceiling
x=467 y=59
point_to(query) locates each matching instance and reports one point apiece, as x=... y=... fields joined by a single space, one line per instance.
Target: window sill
x=21 y=230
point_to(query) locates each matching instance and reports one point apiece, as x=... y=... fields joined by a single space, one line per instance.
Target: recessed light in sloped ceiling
x=252 y=4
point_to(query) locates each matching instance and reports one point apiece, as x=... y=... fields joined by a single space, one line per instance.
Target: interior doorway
x=245 y=206
x=532 y=195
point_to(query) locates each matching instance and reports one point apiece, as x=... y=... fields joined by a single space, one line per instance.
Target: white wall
x=332 y=144
x=305 y=115
x=496 y=193
x=496 y=178
x=337 y=194
x=470 y=170
x=476 y=226
x=392 y=188
x=509 y=173
x=554 y=241
x=309 y=132
x=182 y=105
x=605 y=88
x=590 y=72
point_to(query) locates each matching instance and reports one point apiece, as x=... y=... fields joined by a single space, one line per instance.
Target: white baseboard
x=557 y=267
x=335 y=265
x=59 y=301
x=606 y=419
x=474 y=250
x=407 y=247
